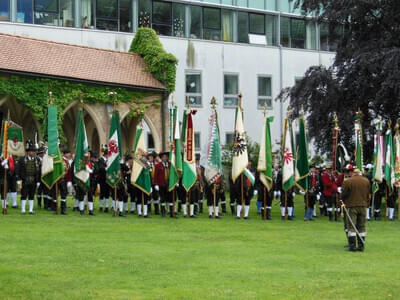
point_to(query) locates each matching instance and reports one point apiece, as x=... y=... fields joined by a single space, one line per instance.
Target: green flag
x=377 y=173
x=81 y=174
x=264 y=166
x=53 y=167
x=302 y=168
x=175 y=156
x=140 y=176
x=288 y=158
x=213 y=168
x=15 y=139
x=189 y=173
x=113 y=170
x=389 y=161
x=396 y=141
x=358 y=142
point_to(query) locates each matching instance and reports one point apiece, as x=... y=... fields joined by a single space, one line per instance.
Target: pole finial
x=240 y=96
x=335 y=121
x=51 y=100
x=213 y=102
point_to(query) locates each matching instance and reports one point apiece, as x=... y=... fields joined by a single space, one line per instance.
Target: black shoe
x=23 y=214
x=360 y=244
x=192 y=216
x=156 y=209
x=233 y=211
x=352 y=244
x=210 y=216
x=218 y=216
x=201 y=208
x=132 y=212
x=238 y=218
x=283 y=218
x=120 y=214
x=106 y=210
x=290 y=218
x=139 y=216
x=246 y=218
x=330 y=216
x=269 y=214
x=91 y=213
x=31 y=213
x=100 y=209
x=145 y=216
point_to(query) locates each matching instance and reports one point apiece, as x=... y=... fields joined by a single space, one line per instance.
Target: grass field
x=73 y=257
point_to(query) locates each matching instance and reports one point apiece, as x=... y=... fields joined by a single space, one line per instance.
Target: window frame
x=205 y=29
x=96 y=18
x=264 y=98
x=8 y=16
x=264 y=25
x=170 y=25
x=230 y=95
x=148 y=136
x=197 y=146
x=188 y=94
x=47 y=11
x=233 y=137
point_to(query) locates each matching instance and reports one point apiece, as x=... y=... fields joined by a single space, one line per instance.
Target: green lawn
x=73 y=257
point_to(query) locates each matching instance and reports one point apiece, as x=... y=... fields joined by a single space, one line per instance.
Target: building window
x=107 y=15
x=195 y=22
x=229 y=138
x=298 y=33
x=193 y=88
x=125 y=16
x=242 y=3
x=285 y=32
x=87 y=14
x=329 y=37
x=46 y=12
x=243 y=27
x=211 y=23
x=311 y=35
x=256 y=24
x=227 y=25
x=178 y=14
x=270 y=31
x=197 y=141
x=231 y=90
x=150 y=141
x=67 y=13
x=226 y=2
x=144 y=13
x=257 y=4
x=5 y=10
x=162 y=17
x=24 y=11
x=264 y=92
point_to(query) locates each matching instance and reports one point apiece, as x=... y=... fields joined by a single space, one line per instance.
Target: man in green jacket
x=355 y=195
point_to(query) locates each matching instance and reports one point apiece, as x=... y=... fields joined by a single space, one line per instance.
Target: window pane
x=24 y=11
x=257 y=4
x=107 y=24
x=298 y=33
x=270 y=22
x=264 y=86
x=197 y=141
x=334 y=37
x=67 y=13
x=107 y=9
x=242 y=3
x=257 y=24
x=324 y=37
x=211 y=24
x=263 y=101
x=144 y=13
x=125 y=15
x=231 y=84
x=243 y=27
x=46 y=5
x=227 y=25
x=285 y=32
x=5 y=10
x=195 y=22
x=150 y=141
x=226 y=2
x=162 y=29
x=162 y=13
x=228 y=138
x=213 y=1
x=193 y=83
x=211 y=18
x=44 y=18
x=178 y=13
x=87 y=13
x=311 y=36
x=271 y=5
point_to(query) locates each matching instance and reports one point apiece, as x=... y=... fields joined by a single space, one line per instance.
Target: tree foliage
x=365 y=74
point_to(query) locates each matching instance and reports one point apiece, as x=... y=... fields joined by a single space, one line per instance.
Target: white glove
x=339 y=190
x=37 y=184
x=4 y=163
x=302 y=192
x=177 y=185
x=5 y=166
x=318 y=197
x=151 y=190
x=294 y=194
x=255 y=193
x=90 y=170
x=157 y=188
x=69 y=185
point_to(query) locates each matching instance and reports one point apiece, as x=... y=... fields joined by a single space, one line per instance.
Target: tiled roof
x=46 y=58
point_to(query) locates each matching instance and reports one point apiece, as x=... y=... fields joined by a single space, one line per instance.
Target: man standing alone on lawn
x=355 y=195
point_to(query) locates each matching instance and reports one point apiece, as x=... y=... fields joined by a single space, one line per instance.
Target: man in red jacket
x=330 y=187
x=160 y=181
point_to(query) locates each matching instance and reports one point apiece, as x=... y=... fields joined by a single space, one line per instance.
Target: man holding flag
x=265 y=168
x=389 y=173
x=378 y=187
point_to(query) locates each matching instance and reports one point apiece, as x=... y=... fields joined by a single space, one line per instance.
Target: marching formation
x=174 y=182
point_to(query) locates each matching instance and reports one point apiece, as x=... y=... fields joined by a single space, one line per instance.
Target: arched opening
x=69 y=124
x=128 y=132
x=22 y=116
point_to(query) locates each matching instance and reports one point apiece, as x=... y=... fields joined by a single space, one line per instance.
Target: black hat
x=93 y=154
x=164 y=153
x=41 y=150
x=66 y=150
x=153 y=154
x=197 y=156
x=30 y=146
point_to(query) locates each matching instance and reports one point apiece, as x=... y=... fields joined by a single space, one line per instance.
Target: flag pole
x=115 y=201
x=285 y=205
x=5 y=157
x=214 y=198
x=265 y=203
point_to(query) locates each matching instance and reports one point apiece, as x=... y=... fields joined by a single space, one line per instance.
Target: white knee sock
x=191 y=209
x=81 y=205
x=145 y=210
x=139 y=209
x=126 y=206
x=133 y=206
x=113 y=204
x=90 y=204
x=23 y=204
x=216 y=211
x=101 y=203
x=210 y=210
x=106 y=203
x=283 y=212
x=290 y=211
x=184 y=209
x=30 y=204
x=238 y=210
x=76 y=203
x=120 y=206
x=246 y=210
x=367 y=214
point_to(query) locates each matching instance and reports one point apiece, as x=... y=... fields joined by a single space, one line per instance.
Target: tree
x=365 y=74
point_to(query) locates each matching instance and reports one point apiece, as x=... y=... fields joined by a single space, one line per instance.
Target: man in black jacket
x=28 y=170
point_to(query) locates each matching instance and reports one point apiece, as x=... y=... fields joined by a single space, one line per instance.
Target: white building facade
x=224 y=47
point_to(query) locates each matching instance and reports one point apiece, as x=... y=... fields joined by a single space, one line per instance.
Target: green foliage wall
x=160 y=63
